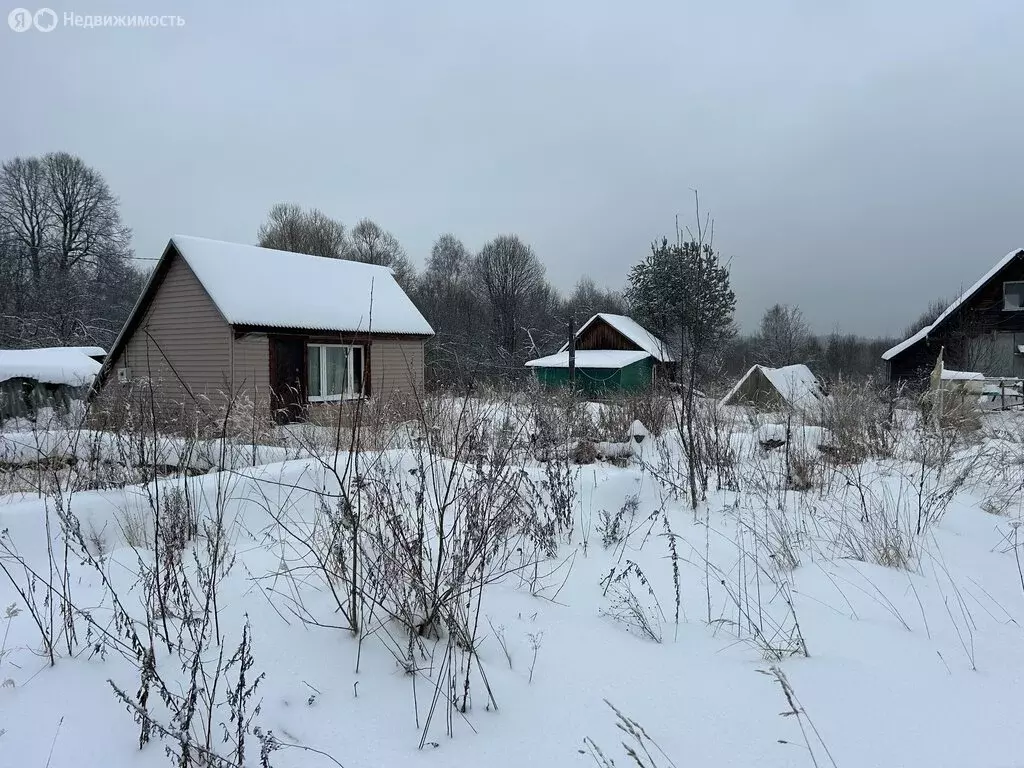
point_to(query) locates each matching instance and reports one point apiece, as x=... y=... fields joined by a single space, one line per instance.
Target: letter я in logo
x=20 y=19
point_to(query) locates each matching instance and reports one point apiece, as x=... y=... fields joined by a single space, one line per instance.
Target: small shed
x=31 y=379
x=614 y=353
x=792 y=386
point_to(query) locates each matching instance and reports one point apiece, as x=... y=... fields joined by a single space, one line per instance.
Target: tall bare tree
x=511 y=280
x=447 y=297
x=65 y=254
x=86 y=222
x=25 y=211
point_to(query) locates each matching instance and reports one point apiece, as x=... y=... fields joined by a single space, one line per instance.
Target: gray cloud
x=859 y=159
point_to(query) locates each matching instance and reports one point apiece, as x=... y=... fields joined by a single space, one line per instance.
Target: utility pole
x=572 y=353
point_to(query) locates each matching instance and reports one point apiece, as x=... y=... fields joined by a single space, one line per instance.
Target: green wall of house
x=634 y=377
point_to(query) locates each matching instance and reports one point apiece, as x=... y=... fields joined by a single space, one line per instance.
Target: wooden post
x=572 y=353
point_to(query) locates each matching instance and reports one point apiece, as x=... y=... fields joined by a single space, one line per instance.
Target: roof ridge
x=964 y=297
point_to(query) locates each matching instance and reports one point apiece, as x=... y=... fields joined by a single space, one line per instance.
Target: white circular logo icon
x=45 y=20
x=20 y=19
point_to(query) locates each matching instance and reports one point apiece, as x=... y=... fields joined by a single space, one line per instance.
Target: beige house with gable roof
x=287 y=330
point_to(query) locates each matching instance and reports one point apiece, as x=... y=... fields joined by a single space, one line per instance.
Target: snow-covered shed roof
x=591 y=358
x=633 y=331
x=948 y=375
x=87 y=351
x=794 y=383
x=51 y=365
x=279 y=289
x=924 y=332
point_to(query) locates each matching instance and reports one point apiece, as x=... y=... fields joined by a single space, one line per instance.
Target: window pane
x=313 y=371
x=357 y=370
x=335 y=370
x=1014 y=294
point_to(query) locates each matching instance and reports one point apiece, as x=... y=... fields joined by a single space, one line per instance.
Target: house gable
x=175 y=336
x=600 y=334
x=979 y=311
x=608 y=331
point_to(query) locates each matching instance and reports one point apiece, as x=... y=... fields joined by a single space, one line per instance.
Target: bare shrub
x=712 y=453
x=584 y=452
x=135 y=527
x=615 y=527
x=861 y=415
x=643 y=616
x=885 y=537
x=804 y=468
x=884 y=521
x=559 y=418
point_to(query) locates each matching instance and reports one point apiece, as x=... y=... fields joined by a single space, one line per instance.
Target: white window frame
x=1012 y=309
x=320 y=349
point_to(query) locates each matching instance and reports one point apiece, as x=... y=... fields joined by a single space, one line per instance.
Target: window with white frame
x=1013 y=296
x=334 y=372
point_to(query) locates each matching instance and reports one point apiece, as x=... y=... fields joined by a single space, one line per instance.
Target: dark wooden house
x=981 y=331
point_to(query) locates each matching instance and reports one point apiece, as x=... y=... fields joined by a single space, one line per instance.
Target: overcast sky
x=859 y=157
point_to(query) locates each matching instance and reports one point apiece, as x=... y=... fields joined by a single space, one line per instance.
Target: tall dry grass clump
x=862 y=418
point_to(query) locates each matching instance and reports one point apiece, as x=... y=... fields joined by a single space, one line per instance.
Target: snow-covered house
x=792 y=386
x=289 y=330
x=613 y=353
x=983 y=330
x=31 y=379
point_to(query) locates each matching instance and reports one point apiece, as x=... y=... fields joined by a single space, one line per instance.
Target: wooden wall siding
x=996 y=354
x=251 y=365
x=181 y=338
x=397 y=367
x=600 y=335
x=985 y=313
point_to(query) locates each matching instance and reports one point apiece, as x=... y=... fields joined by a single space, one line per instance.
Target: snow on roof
x=591 y=358
x=261 y=286
x=87 y=351
x=53 y=365
x=633 y=331
x=795 y=383
x=949 y=375
x=1000 y=265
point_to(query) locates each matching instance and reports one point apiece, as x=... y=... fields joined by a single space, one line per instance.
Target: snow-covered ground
x=872 y=619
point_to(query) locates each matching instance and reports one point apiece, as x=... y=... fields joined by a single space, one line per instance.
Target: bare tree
x=784 y=337
x=511 y=279
x=24 y=212
x=587 y=300
x=65 y=254
x=446 y=294
x=374 y=245
x=449 y=261
x=290 y=228
x=86 y=224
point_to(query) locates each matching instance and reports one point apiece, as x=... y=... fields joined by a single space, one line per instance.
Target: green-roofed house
x=614 y=353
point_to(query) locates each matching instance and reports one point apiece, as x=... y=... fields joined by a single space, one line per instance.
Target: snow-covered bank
x=915 y=665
